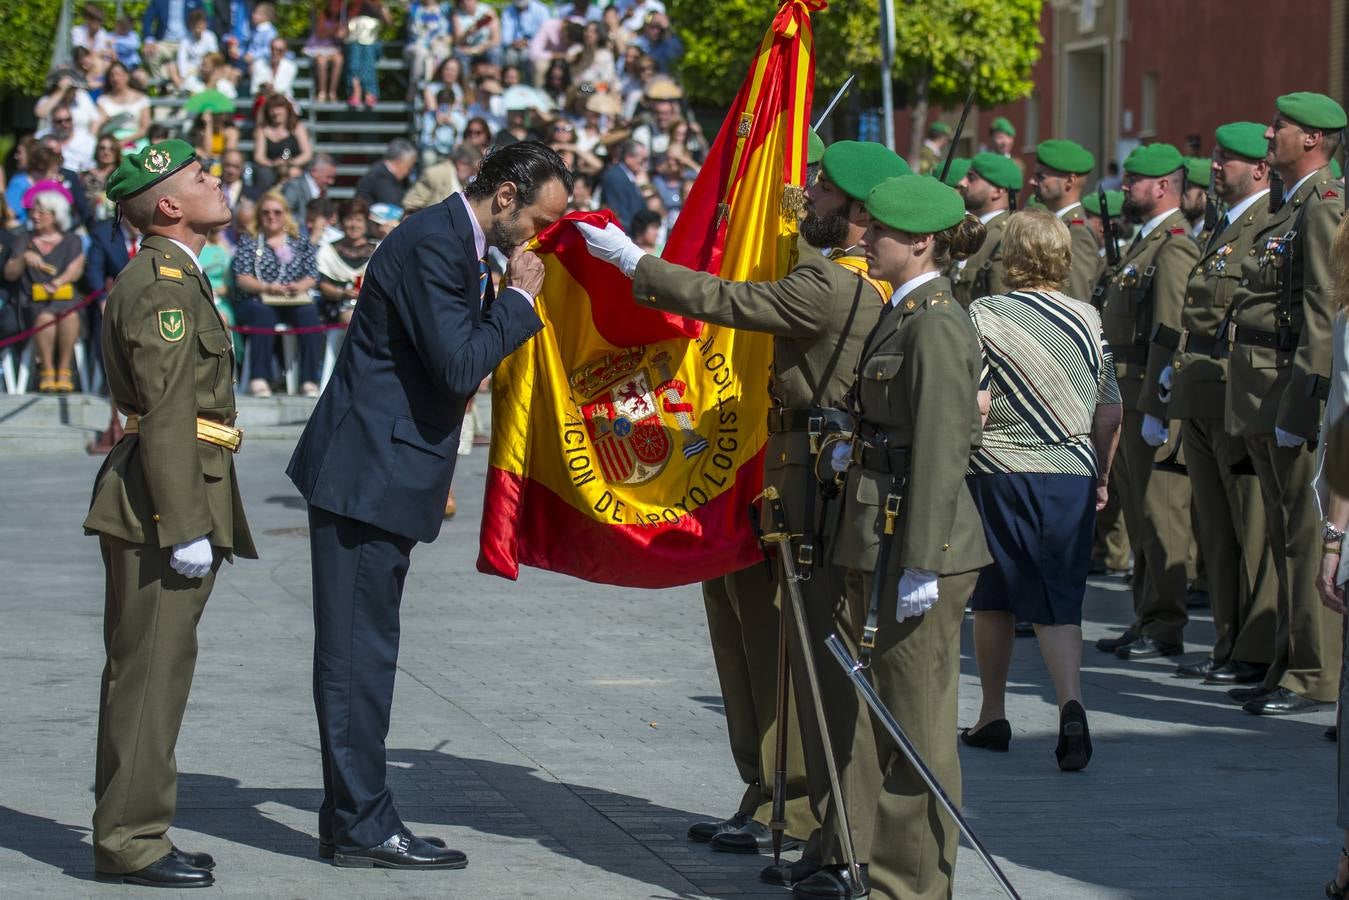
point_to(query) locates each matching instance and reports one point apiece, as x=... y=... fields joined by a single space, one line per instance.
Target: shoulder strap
x=858 y=266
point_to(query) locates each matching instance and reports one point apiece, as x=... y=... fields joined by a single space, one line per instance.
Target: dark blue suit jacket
x=619 y=194
x=106 y=256
x=381 y=444
x=156 y=18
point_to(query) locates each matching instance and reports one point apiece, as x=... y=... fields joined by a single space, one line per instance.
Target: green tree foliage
x=943 y=48
x=26 y=50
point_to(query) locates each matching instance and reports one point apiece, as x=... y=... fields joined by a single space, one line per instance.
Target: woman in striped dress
x=1052 y=415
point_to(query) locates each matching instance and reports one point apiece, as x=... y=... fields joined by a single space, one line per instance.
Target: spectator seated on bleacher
x=280 y=141
x=659 y=42
x=442 y=179
x=322 y=47
x=124 y=109
x=521 y=20
x=312 y=185
x=477 y=31
x=341 y=263
x=430 y=37
x=386 y=181
x=274 y=73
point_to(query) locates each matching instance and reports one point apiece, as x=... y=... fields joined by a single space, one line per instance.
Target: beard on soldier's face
x=824 y=231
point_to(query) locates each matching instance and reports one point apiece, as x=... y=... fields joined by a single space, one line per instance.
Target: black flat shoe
x=328 y=848
x=995 y=736
x=1201 y=669
x=1282 y=702
x=1242 y=695
x=1074 y=749
x=1148 y=648
x=703 y=832
x=833 y=883
x=754 y=837
x=1237 y=672
x=169 y=871
x=1110 y=645
x=788 y=874
x=1332 y=734
x=196 y=860
x=403 y=850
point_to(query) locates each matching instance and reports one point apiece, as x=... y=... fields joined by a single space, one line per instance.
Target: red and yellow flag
x=627 y=444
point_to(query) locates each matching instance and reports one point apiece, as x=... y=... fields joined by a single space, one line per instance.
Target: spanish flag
x=627 y=444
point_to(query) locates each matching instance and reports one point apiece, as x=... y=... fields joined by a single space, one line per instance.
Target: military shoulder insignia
x=170 y=272
x=1177 y=230
x=172 y=325
x=1077 y=221
x=1330 y=195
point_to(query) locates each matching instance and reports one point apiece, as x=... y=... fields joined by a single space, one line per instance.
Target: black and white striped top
x=1047 y=367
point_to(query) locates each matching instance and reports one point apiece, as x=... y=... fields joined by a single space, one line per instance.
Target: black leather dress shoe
x=1282 y=702
x=833 y=883
x=754 y=837
x=1110 y=645
x=1148 y=648
x=403 y=850
x=196 y=860
x=1332 y=734
x=702 y=832
x=1242 y=695
x=169 y=871
x=328 y=848
x=788 y=874
x=1201 y=669
x=1237 y=672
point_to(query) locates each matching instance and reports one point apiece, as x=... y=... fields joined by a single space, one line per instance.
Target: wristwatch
x=1330 y=533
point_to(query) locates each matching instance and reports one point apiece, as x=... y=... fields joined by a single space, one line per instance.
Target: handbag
x=270 y=298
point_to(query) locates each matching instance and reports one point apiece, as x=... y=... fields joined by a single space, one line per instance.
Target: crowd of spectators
x=593 y=80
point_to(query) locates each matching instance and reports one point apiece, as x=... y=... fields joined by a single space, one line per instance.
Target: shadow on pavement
x=47 y=841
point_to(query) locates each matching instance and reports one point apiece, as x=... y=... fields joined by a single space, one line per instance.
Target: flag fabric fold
x=627 y=443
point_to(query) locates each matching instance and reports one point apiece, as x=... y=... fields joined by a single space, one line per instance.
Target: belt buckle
x=1231 y=336
x=815 y=427
x=892 y=502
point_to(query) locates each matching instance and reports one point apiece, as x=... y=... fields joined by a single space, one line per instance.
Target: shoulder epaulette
x=1177 y=230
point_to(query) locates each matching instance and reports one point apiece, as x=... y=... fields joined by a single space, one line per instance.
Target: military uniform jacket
x=1199 y=386
x=169 y=361
x=1086 y=264
x=1268 y=387
x=983 y=273
x=918 y=383
x=819 y=314
x=1146 y=288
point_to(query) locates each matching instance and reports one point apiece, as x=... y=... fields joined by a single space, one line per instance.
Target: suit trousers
x=847 y=718
x=1156 y=505
x=1230 y=526
x=358 y=586
x=1307 y=651
x=150 y=617
x=915 y=668
x=743 y=621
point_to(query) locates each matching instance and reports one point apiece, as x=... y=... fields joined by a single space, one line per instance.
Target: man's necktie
x=483 y=275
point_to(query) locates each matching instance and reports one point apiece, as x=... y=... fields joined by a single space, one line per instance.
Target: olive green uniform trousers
x=743 y=621
x=150 y=634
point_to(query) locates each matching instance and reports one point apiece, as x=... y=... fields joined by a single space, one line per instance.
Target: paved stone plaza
x=565 y=735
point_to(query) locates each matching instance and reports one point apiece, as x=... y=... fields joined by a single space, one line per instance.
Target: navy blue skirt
x=1039 y=529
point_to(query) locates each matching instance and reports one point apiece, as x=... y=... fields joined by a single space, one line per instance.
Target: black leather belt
x=1318 y=387
x=1133 y=354
x=1187 y=341
x=1284 y=340
x=886 y=459
x=817 y=420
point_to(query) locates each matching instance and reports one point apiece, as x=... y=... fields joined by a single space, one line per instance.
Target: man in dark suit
x=618 y=183
x=386 y=181
x=376 y=459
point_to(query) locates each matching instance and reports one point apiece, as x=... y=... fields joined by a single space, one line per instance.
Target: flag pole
x=887 y=67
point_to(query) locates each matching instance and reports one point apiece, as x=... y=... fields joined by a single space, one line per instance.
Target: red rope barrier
x=25 y=335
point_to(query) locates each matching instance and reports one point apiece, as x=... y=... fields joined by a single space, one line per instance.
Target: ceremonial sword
x=832 y=103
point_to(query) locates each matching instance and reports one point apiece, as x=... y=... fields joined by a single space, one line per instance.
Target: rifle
x=955 y=138
x=1108 y=230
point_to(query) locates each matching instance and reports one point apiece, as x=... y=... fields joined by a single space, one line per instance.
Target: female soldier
x=910 y=541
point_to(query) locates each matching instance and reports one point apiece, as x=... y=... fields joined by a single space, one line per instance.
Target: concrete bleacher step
x=356 y=127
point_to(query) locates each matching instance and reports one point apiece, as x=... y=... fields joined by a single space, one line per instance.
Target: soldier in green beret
x=960 y=167
x=1001 y=136
x=934 y=148
x=988 y=188
x=814 y=148
x=1061 y=170
x=1147 y=289
x=165 y=506
x=1228 y=513
x=1280 y=341
x=910 y=542
x=1194 y=199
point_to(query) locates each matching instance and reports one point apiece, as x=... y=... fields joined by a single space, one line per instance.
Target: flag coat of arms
x=627 y=443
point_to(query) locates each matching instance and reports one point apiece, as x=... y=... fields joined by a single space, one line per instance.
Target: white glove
x=192 y=559
x=841 y=457
x=1154 y=431
x=917 y=593
x=613 y=246
x=1288 y=440
x=1166 y=380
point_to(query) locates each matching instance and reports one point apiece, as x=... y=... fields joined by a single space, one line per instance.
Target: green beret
x=915 y=204
x=1154 y=161
x=1198 y=171
x=1114 y=201
x=960 y=167
x=997 y=170
x=1312 y=110
x=1001 y=124
x=1243 y=138
x=939 y=127
x=1065 y=156
x=148 y=166
x=814 y=148
x=858 y=166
